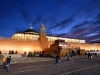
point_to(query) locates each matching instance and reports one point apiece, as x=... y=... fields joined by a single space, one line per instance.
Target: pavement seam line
x=80 y=69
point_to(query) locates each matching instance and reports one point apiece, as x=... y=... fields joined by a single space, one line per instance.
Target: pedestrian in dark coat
x=8 y=63
x=57 y=59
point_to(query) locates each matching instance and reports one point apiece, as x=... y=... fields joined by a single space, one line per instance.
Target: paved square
x=79 y=66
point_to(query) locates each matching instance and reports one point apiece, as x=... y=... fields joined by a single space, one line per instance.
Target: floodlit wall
x=21 y=46
x=86 y=46
x=30 y=45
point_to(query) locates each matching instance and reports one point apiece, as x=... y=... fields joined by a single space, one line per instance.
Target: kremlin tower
x=42 y=37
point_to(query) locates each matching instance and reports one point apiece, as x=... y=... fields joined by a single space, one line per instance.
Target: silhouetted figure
x=57 y=59
x=8 y=63
x=89 y=55
x=71 y=57
x=68 y=57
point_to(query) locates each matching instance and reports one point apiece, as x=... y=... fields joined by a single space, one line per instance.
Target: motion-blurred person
x=57 y=59
x=8 y=63
x=71 y=57
x=68 y=57
x=3 y=62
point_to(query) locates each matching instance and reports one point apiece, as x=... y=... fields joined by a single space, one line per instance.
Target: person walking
x=89 y=55
x=68 y=57
x=3 y=62
x=71 y=57
x=57 y=59
x=8 y=63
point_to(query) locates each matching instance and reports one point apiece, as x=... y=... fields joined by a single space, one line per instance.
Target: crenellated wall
x=86 y=46
x=21 y=46
x=7 y=44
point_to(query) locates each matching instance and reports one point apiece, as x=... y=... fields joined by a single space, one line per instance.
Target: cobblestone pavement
x=79 y=66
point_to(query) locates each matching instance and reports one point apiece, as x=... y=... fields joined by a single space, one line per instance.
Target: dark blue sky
x=67 y=18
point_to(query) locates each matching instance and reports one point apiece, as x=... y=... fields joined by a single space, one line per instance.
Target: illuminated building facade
x=30 y=40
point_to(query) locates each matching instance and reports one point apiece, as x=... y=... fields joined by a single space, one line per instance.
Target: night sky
x=78 y=19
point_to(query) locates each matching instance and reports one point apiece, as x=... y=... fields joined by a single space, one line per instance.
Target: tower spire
x=31 y=26
x=42 y=24
x=42 y=29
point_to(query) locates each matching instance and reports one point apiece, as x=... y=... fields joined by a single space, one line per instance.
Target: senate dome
x=30 y=31
x=29 y=34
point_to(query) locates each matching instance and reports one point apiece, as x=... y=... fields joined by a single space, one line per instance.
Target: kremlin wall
x=20 y=46
x=30 y=40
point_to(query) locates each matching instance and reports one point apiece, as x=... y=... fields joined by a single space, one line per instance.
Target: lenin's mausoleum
x=30 y=40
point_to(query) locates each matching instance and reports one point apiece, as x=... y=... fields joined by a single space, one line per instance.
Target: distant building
x=30 y=40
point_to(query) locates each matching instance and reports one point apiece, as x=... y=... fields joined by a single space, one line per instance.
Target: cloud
x=85 y=28
x=79 y=29
x=84 y=24
x=37 y=19
x=26 y=16
x=93 y=38
x=97 y=18
x=63 y=34
x=62 y=24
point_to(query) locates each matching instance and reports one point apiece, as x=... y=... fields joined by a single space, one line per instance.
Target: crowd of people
x=6 y=63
